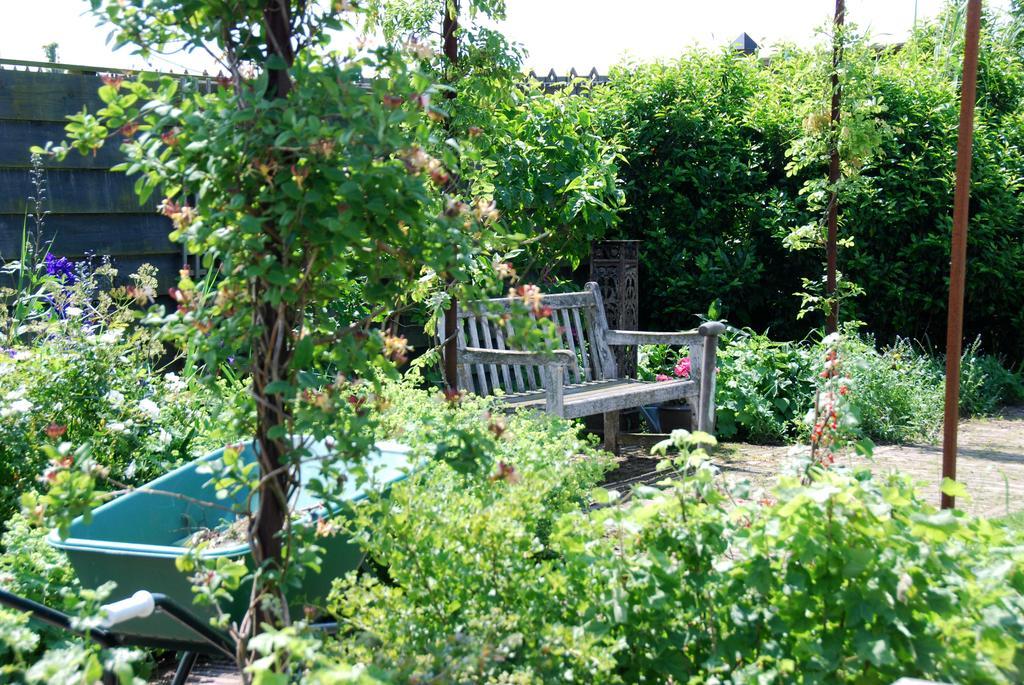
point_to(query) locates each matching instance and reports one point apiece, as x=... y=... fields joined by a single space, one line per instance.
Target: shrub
x=706 y=186
x=898 y=391
x=707 y=139
x=844 y=578
x=986 y=384
x=766 y=388
x=35 y=652
x=85 y=374
x=464 y=553
x=847 y=579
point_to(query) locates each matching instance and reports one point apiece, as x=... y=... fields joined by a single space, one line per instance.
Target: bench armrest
x=652 y=337
x=709 y=329
x=479 y=355
x=552 y=363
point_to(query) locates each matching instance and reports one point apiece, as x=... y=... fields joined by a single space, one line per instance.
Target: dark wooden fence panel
x=75 y=235
x=46 y=96
x=91 y=209
x=16 y=137
x=74 y=191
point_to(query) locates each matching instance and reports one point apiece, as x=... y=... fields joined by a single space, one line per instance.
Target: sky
x=559 y=34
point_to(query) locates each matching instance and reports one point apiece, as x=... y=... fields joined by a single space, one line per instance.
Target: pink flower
x=662 y=377
x=682 y=369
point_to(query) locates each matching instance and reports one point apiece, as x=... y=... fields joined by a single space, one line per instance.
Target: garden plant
x=331 y=193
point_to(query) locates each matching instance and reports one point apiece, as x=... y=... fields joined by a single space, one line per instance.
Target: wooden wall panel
x=92 y=210
x=17 y=137
x=46 y=96
x=75 y=235
x=74 y=191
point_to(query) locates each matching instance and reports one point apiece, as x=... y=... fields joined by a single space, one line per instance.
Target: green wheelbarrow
x=135 y=539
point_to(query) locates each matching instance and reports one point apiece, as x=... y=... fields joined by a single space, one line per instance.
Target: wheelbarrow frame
x=208 y=639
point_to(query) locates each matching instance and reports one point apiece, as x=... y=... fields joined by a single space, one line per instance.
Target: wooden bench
x=581 y=379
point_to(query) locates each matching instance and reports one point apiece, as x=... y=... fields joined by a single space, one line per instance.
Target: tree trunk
x=449 y=27
x=832 y=322
x=271 y=360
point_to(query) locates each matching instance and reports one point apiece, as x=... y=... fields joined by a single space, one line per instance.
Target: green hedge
x=707 y=190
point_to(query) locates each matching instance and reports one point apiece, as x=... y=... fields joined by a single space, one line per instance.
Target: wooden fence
x=92 y=210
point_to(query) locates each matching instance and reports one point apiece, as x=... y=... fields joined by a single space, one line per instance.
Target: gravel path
x=990 y=463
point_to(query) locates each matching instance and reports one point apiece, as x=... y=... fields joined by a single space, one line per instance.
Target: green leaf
x=278 y=387
x=953 y=488
x=303 y=352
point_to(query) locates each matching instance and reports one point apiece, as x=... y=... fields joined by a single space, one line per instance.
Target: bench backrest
x=582 y=328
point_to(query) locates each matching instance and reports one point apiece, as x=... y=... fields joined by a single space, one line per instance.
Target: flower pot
x=674 y=416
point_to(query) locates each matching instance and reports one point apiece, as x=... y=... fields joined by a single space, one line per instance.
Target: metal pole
x=832 y=250
x=958 y=248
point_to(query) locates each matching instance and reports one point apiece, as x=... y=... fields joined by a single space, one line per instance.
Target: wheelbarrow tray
x=135 y=539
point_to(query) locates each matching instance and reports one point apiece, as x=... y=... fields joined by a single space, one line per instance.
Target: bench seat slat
x=572 y=374
x=474 y=339
x=588 y=373
x=598 y=397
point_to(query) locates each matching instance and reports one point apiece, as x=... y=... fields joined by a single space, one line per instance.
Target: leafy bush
x=986 y=384
x=899 y=391
x=707 y=140
x=82 y=373
x=766 y=388
x=32 y=568
x=705 y=182
x=464 y=552
x=548 y=168
x=37 y=653
x=845 y=578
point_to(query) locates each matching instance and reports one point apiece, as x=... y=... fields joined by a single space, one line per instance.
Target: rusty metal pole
x=958 y=248
x=832 y=250
x=449 y=27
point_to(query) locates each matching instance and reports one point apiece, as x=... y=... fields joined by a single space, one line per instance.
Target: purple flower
x=61 y=268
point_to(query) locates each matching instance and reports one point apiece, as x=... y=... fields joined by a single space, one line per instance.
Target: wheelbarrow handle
x=139 y=605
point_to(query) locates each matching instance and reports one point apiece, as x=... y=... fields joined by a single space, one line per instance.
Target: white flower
x=115 y=398
x=164 y=438
x=15 y=394
x=149 y=407
x=129 y=472
x=16 y=407
x=21 y=355
x=111 y=336
x=73 y=311
x=174 y=382
x=116 y=427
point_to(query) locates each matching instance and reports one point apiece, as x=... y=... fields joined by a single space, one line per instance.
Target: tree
x=298 y=182
x=843 y=129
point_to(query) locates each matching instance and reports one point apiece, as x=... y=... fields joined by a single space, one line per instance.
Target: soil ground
x=990 y=464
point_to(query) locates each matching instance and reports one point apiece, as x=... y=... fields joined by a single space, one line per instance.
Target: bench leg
x=611 y=431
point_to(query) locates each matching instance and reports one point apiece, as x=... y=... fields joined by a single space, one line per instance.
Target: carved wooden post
x=614 y=266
